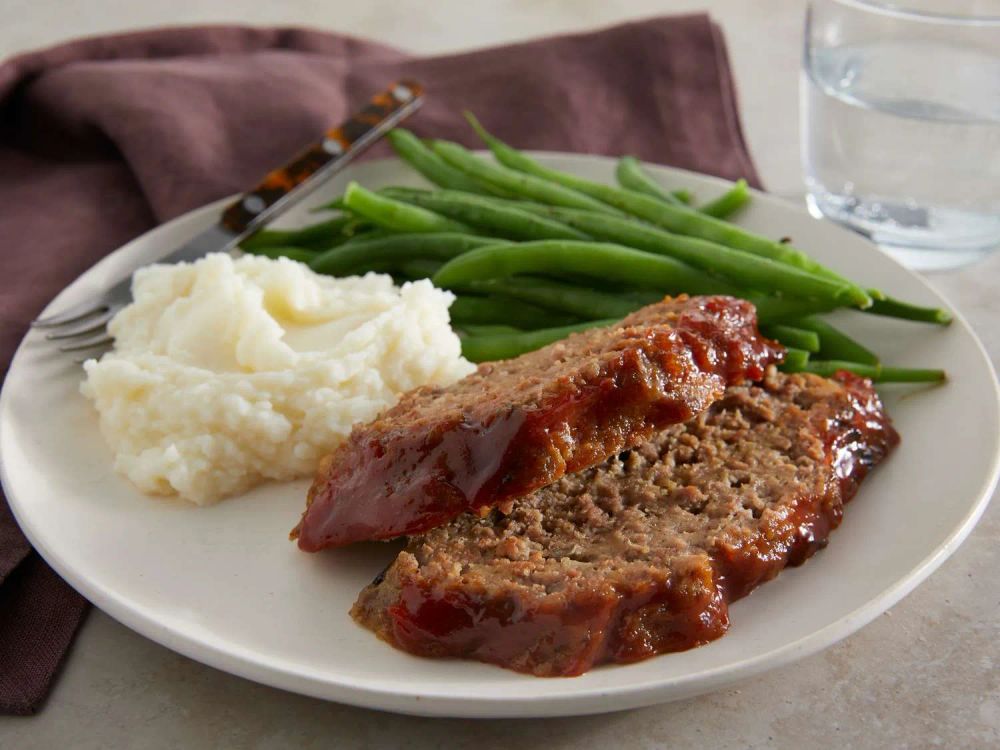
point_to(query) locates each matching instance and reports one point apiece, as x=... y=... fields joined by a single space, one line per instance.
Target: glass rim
x=893 y=10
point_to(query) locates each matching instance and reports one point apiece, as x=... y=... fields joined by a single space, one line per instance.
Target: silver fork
x=84 y=326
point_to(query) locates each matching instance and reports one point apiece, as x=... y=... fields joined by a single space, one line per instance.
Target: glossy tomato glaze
x=673 y=614
x=386 y=484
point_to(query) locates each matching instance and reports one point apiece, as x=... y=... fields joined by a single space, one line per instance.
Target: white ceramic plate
x=225 y=586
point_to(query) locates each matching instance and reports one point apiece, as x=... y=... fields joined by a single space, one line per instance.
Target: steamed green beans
x=361 y=255
x=587 y=302
x=492 y=215
x=515 y=182
x=593 y=253
x=396 y=215
x=597 y=260
x=581 y=302
x=739 y=267
x=413 y=151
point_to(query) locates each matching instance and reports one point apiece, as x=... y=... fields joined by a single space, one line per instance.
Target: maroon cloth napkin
x=101 y=139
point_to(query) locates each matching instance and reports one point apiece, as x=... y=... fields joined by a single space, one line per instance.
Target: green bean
x=312 y=236
x=579 y=301
x=588 y=302
x=397 y=215
x=684 y=196
x=632 y=176
x=361 y=254
x=515 y=182
x=418 y=268
x=412 y=150
x=798 y=338
x=895 y=308
x=489 y=214
x=403 y=193
x=498 y=309
x=677 y=219
x=506 y=346
x=783 y=309
x=301 y=254
x=363 y=229
x=877 y=373
x=682 y=220
x=910 y=375
x=834 y=344
x=337 y=204
x=795 y=360
x=739 y=267
x=472 y=329
x=596 y=260
x=876 y=295
x=585 y=302
x=729 y=202
x=355 y=228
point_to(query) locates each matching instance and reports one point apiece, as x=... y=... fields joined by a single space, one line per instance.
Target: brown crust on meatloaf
x=520 y=424
x=641 y=555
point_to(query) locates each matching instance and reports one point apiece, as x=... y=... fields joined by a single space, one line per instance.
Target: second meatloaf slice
x=641 y=555
x=520 y=424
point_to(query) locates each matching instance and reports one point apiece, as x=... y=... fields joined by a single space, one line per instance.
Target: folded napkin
x=102 y=139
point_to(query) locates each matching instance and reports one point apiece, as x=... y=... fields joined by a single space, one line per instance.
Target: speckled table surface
x=925 y=674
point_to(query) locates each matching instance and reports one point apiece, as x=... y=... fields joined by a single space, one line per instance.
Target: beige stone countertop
x=925 y=674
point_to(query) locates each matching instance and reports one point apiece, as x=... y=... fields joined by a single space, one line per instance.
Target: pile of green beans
x=534 y=254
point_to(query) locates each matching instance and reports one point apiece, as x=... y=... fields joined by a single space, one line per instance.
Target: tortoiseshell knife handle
x=322 y=160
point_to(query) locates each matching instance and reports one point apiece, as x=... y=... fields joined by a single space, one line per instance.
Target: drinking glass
x=900 y=105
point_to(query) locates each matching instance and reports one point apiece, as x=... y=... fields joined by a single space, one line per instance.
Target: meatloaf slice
x=517 y=425
x=642 y=554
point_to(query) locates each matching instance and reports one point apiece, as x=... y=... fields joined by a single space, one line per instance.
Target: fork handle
x=339 y=146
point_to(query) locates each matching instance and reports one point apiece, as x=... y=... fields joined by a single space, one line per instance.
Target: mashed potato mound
x=227 y=373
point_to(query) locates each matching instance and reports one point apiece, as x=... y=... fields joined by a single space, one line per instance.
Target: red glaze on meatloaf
x=520 y=424
x=641 y=555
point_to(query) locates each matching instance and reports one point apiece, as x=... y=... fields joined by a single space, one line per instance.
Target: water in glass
x=901 y=141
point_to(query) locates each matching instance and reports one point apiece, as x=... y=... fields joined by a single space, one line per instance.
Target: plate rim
x=276 y=672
